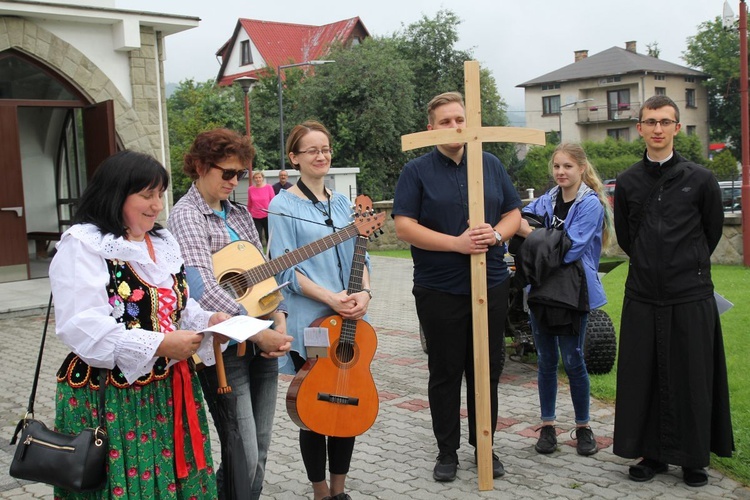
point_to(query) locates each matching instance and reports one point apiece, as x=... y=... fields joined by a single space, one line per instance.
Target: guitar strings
x=349 y=328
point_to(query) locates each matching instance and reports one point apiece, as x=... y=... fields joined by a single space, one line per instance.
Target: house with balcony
x=256 y=45
x=600 y=96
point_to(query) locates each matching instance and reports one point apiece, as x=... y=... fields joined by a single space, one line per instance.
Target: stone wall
x=729 y=250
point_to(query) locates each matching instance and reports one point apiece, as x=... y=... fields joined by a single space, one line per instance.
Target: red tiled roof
x=285 y=43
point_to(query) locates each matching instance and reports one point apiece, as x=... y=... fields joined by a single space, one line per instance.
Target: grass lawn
x=732 y=282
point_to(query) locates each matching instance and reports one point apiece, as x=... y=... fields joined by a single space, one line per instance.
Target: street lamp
x=246 y=82
x=559 y=115
x=282 y=164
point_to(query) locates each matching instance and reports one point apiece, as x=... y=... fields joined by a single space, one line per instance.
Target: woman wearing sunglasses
x=204 y=221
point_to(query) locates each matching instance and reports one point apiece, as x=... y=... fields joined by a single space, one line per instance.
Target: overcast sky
x=517 y=40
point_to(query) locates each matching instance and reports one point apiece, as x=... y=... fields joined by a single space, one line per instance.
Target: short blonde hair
x=442 y=100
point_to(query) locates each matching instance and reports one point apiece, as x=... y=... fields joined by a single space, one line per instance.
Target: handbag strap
x=32 y=397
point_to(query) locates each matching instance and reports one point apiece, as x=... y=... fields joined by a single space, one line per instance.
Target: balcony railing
x=624 y=112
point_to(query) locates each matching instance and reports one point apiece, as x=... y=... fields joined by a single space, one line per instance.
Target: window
x=690 y=98
x=660 y=91
x=609 y=79
x=690 y=130
x=618 y=104
x=620 y=134
x=689 y=79
x=246 y=56
x=551 y=105
x=660 y=78
x=550 y=86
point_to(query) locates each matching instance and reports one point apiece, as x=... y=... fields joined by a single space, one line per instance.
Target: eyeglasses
x=652 y=123
x=315 y=152
x=228 y=174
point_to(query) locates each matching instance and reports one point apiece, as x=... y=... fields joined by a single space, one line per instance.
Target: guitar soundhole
x=235 y=284
x=345 y=352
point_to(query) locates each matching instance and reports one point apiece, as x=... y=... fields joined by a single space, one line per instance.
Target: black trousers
x=447 y=324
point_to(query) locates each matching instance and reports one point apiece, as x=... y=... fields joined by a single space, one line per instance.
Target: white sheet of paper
x=722 y=304
x=239 y=328
x=316 y=337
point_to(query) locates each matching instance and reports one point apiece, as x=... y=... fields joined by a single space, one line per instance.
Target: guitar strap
x=328 y=219
x=310 y=196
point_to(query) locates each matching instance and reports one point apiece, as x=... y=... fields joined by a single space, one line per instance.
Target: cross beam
x=473 y=134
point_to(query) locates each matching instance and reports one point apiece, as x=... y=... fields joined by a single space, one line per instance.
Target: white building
x=77 y=83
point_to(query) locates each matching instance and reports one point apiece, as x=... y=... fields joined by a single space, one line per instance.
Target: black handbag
x=77 y=463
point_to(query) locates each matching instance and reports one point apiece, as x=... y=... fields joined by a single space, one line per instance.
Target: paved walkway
x=394 y=459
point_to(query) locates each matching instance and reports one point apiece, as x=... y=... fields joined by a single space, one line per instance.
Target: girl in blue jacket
x=579 y=206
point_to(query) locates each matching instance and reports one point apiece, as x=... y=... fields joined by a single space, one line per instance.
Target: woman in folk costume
x=122 y=305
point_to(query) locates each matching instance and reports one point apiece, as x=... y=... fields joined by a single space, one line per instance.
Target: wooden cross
x=473 y=134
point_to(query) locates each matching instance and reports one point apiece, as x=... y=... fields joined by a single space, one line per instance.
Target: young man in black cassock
x=672 y=392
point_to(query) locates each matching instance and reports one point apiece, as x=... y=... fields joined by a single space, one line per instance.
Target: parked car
x=731 y=195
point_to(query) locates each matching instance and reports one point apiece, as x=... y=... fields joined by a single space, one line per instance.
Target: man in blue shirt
x=431 y=212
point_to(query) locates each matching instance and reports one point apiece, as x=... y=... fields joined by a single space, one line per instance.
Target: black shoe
x=445 y=468
x=497 y=466
x=695 y=477
x=586 y=444
x=547 y=442
x=646 y=469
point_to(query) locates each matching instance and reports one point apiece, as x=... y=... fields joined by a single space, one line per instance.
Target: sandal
x=695 y=476
x=646 y=469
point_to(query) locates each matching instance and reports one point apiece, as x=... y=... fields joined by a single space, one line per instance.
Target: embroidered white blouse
x=83 y=315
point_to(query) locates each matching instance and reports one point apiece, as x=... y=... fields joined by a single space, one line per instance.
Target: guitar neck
x=290 y=259
x=349 y=326
x=358 y=265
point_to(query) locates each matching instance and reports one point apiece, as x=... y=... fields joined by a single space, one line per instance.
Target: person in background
x=283 y=182
x=577 y=205
x=317 y=286
x=672 y=390
x=122 y=305
x=204 y=221
x=259 y=195
x=430 y=210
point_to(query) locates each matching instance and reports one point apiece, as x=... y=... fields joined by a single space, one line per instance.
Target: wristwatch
x=369 y=292
x=498 y=239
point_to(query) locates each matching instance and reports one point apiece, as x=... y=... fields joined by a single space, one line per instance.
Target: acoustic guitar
x=336 y=395
x=242 y=271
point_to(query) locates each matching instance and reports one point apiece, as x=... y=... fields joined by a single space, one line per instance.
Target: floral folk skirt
x=140 y=426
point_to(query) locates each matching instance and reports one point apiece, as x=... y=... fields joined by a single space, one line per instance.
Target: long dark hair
x=116 y=178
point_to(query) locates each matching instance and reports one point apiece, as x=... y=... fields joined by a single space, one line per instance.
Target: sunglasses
x=228 y=174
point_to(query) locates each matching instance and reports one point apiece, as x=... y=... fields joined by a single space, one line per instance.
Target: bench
x=42 y=239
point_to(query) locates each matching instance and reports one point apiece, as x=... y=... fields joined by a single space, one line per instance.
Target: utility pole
x=745 y=123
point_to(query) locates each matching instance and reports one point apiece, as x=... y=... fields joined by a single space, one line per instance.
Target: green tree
x=194 y=108
x=715 y=51
x=690 y=147
x=724 y=166
x=366 y=100
x=437 y=66
x=375 y=93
